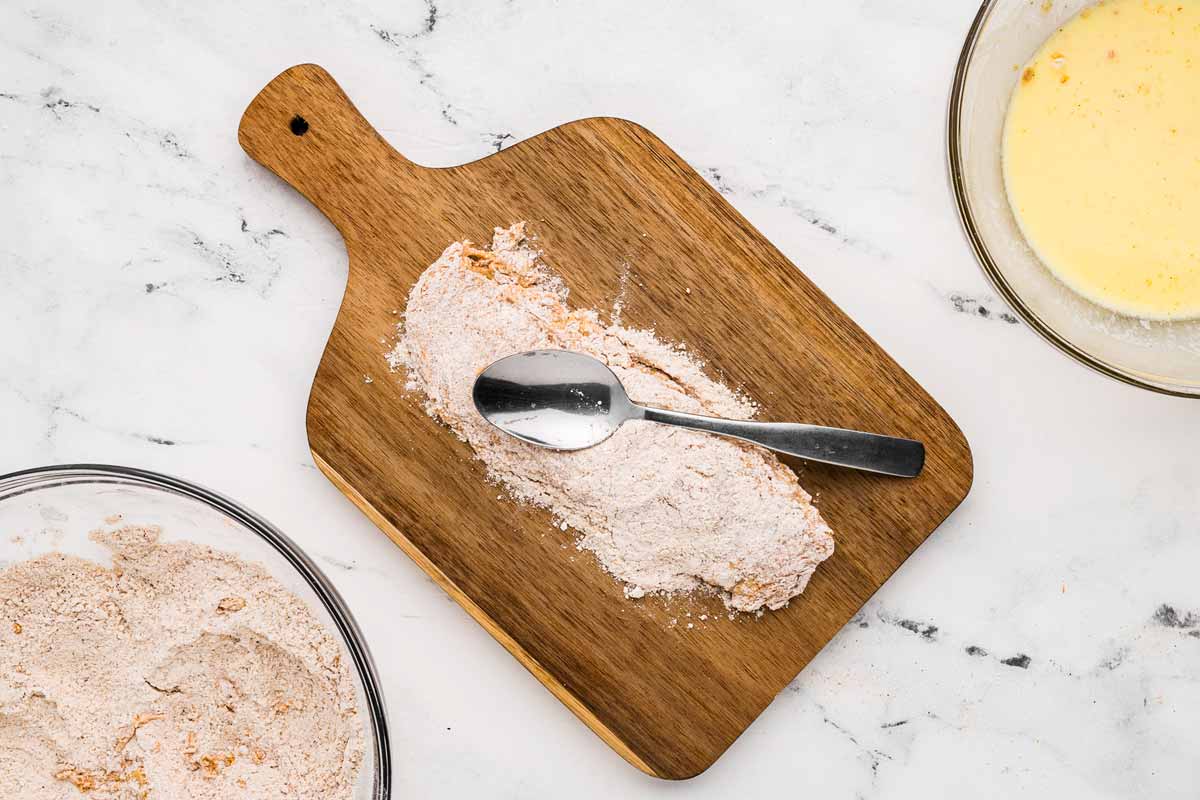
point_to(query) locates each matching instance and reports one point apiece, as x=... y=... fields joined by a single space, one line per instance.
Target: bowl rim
x=32 y=479
x=995 y=276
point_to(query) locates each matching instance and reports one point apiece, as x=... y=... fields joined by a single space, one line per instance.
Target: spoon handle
x=870 y=452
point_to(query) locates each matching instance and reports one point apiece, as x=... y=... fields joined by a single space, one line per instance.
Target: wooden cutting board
x=599 y=193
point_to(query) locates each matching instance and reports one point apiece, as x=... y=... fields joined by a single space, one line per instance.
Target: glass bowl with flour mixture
x=1005 y=53
x=272 y=665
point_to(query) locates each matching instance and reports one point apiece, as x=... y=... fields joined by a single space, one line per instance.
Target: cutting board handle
x=302 y=127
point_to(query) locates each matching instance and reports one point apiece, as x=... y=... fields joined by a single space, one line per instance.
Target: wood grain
x=599 y=193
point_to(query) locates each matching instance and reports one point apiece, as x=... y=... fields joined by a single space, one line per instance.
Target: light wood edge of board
x=499 y=634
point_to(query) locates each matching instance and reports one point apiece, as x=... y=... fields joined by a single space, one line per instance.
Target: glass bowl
x=52 y=509
x=1157 y=355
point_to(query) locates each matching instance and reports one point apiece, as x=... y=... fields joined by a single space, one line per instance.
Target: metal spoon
x=569 y=401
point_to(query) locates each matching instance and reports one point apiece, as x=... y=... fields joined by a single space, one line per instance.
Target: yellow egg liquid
x=1101 y=156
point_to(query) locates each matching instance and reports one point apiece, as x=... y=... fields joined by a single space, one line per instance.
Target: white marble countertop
x=164 y=302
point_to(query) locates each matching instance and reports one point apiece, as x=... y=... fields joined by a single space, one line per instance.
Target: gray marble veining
x=164 y=302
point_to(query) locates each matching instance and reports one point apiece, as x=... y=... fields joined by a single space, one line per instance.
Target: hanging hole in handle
x=298 y=125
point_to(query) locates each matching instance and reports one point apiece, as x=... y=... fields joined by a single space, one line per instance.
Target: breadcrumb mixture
x=180 y=672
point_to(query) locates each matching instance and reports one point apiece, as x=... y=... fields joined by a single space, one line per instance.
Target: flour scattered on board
x=665 y=510
x=622 y=293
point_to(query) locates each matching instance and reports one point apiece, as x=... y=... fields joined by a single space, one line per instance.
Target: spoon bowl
x=552 y=398
x=570 y=401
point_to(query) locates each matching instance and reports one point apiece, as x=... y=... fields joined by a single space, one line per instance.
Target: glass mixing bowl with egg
x=1089 y=238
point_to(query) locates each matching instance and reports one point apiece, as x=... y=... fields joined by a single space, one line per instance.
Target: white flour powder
x=179 y=672
x=664 y=509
